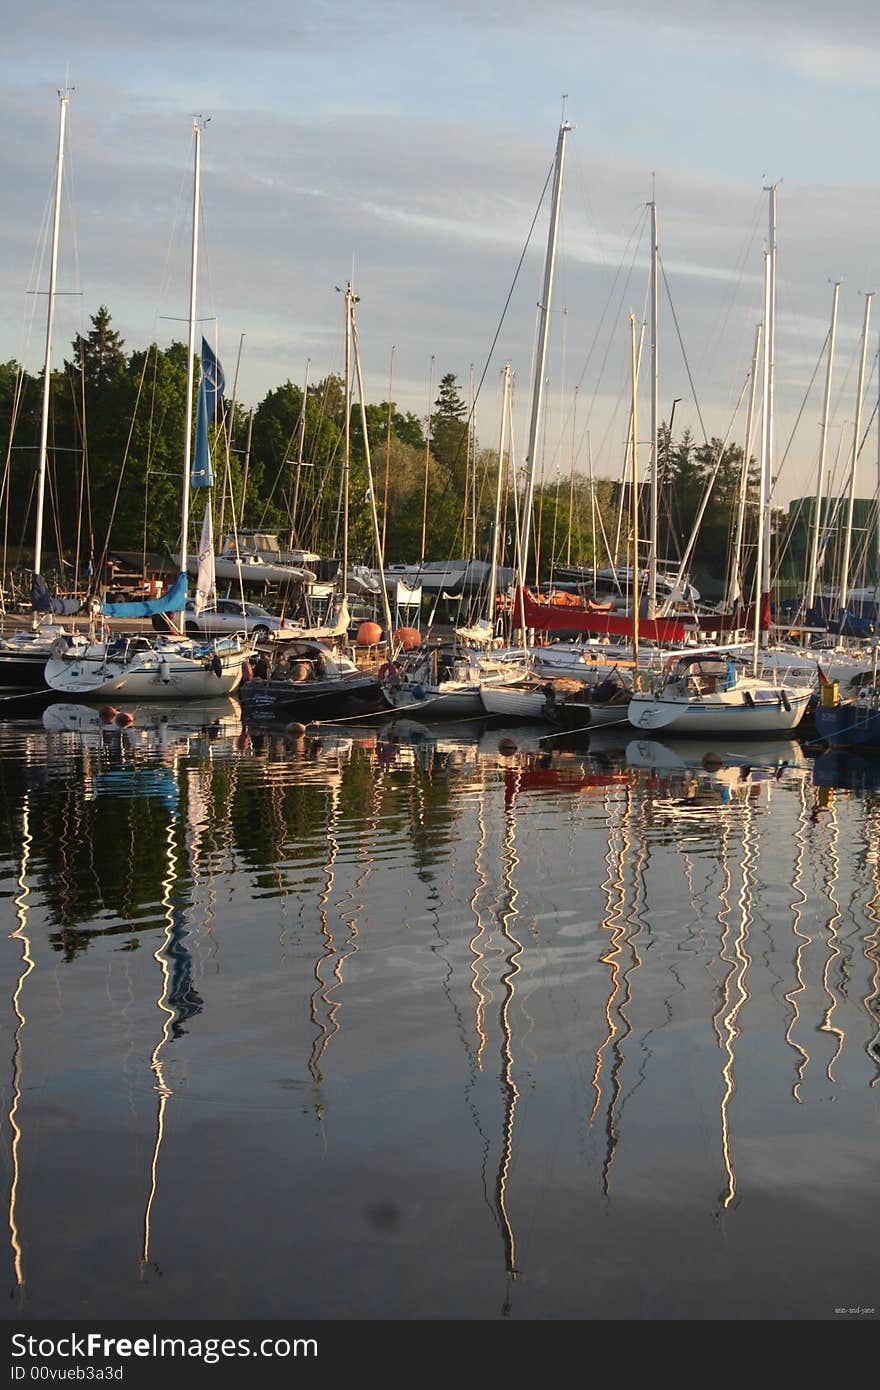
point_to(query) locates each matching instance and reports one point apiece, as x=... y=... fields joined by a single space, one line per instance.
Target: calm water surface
x=410 y=1027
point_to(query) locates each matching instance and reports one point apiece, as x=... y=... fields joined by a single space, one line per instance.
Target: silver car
x=234 y=615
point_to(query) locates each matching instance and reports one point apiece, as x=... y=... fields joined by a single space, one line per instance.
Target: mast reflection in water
x=405 y=1023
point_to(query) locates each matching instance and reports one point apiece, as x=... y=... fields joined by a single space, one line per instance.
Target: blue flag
x=211 y=387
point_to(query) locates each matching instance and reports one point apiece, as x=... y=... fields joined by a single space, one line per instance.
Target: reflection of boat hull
x=769 y=756
x=153 y=718
x=843 y=769
x=311 y=700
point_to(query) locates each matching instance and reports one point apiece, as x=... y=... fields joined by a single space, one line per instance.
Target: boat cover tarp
x=172 y=602
x=547 y=617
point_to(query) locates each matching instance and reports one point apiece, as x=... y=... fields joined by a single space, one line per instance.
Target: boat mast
x=635 y=500
x=347 y=459
x=427 y=458
x=655 y=471
x=299 y=459
x=764 y=492
x=769 y=382
x=823 y=445
x=735 y=589
x=541 y=354
x=496 y=525
x=374 y=515
x=388 y=448
x=64 y=98
x=191 y=353
x=571 y=477
x=847 y=538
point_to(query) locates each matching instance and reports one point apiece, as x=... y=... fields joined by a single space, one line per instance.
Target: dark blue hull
x=851 y=724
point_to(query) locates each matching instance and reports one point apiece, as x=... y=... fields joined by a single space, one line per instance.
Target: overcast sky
x=405 y=145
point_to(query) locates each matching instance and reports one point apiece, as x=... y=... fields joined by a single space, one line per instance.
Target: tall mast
x=764 y=495
x=735 y=589
x=823 y=445
x=374 y=515
x=769 y=381
x=246 y=469
x=541 y=354
x=347 y=459
x=191 y=341
x=635 y=500
x=655 y=377
x=427 y=459
x=387 y=450
x=299 y=457
x=496 y=525
x=847 y=539
x=64 y=98
x=571 y=477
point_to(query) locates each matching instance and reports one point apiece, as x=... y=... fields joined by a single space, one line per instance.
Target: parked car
x=233 y=615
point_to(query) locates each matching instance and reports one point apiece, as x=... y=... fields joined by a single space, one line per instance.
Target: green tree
x=449 y=428
x=99 y=358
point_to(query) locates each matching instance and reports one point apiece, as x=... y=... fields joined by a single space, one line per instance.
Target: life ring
x=388 y=671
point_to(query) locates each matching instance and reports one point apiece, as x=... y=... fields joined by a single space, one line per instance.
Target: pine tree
x=100 y=357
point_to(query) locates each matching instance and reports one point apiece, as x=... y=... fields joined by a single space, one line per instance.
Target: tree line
x=114 y=472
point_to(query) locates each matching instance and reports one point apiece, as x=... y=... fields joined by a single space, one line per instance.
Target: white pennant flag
x=206 y=582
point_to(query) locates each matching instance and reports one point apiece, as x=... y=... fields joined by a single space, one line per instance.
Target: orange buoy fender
x=368 y=634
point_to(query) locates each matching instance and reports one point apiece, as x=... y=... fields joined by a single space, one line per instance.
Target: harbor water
x=397 y=1021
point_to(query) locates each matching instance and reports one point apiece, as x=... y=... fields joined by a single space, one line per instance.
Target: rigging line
x=798 y=416
x=739 y=269
x=634 y=242
x=687 y=365
x=488 y=362
x=99 y=567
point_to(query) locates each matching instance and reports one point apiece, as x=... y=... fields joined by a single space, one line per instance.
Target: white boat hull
x=146 y=675
x=513 y=703
x=702 y=717
x=447 y=701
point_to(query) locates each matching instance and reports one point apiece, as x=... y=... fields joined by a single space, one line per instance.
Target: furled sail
x=44 y=602
x=211 y=388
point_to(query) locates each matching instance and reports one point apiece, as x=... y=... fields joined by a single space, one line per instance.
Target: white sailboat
x=148 y=666
x=712 y=690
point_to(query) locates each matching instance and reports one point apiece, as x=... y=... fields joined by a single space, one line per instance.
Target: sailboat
x=713 y=690
x=149 y=666
x=23 y=655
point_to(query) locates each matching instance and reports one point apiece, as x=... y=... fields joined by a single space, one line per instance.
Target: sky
x=405 y=146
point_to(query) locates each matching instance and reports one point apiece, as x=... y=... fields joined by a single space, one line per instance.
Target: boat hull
x=851 y=724
x=150 y=675
x=311 y=701
x=697 y=718
x=23 y=658
x=443 y=702
x=508 y=702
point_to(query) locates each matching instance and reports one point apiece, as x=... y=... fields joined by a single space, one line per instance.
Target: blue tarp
x=172 y=602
